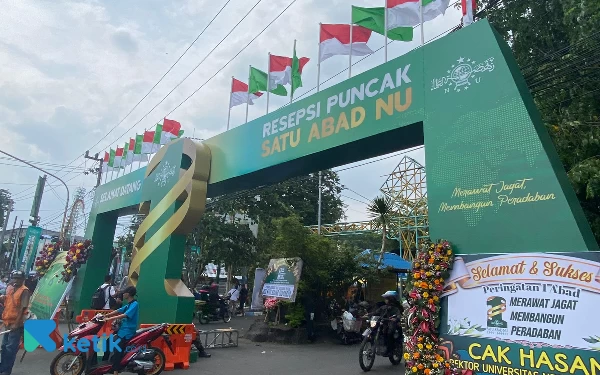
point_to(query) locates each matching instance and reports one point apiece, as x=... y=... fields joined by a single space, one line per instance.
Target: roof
x=390 y=260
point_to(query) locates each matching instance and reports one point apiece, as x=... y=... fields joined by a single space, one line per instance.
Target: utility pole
x=37 y=201
x=10 y=208
x=16 y=245
x=96 y=158
x=11 y=235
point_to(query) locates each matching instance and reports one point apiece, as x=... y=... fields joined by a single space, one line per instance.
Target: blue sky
x=71 y=70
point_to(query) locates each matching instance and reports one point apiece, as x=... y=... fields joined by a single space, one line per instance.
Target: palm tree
x=381 y=211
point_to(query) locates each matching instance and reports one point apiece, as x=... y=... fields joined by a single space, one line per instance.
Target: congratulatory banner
x=524 y=314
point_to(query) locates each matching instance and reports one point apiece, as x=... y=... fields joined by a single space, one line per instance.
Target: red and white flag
x=407 y=13
x=148 y=144
x=335 y=40
x=119 y=162
x=170 y=130
x=239 y=94
x=280 y=70
x=105 y=163
x=468 y=10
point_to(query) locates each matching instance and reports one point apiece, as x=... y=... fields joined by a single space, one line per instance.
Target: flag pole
x=248 y=97
x=229 y=109
x=319 y=63
x=350 y=55
x=292 y=84
x=106 y=174
x=421 y=18
x=141 y=154
x=268 y=82
x=112 y=172
x=385 y=28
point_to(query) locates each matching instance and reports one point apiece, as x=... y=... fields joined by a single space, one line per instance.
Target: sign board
x=50 y=290
x=282 y=278
x=30 y=247
x=533 y=313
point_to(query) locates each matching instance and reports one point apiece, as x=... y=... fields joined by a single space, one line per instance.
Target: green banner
x=523 y=314
x=30 y=246
x=282 y=278
x=51 y=290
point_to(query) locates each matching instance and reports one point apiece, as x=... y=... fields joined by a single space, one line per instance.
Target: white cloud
x=72 y=69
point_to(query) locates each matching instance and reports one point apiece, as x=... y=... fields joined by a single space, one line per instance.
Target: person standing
x=243 y=297
x=129 y=315
x=16 y=302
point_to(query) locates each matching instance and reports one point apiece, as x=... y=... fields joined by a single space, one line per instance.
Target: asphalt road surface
x=321 y=357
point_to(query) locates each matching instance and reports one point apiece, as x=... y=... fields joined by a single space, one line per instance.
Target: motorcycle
x=346 y=324
x=213 y=314
x=146 y=360
x=374 y=344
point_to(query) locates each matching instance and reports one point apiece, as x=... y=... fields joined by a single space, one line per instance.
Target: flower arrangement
x=46 y=257
x=425 y=285
x=76 y=257
x=271 y=304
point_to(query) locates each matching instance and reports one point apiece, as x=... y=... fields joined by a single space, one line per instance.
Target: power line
x=218 y=71
x=163 y=76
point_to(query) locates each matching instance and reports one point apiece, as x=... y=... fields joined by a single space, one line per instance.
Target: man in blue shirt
x=129 y=315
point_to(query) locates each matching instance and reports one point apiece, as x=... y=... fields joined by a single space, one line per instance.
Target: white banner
x=527 y=298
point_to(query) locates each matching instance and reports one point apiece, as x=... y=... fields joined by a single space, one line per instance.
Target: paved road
x=253 y=358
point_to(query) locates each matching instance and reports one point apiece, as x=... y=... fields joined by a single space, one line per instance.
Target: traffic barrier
x=55 y=335
x=87 y=315
x=182 y=336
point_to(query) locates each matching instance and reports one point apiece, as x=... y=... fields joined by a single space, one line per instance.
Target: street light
x=66 y=187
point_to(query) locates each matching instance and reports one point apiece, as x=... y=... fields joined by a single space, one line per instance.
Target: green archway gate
x=495 y=183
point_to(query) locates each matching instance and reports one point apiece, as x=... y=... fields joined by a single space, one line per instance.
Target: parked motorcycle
x=213 y=314
x=146 y=360
x=374 y=344
x=347 y=324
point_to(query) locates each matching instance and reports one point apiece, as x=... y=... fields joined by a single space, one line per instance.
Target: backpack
x=99 y=298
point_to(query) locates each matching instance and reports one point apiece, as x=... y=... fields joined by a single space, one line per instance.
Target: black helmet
x=16 y=274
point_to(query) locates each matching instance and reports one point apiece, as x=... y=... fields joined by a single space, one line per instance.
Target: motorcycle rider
x=392 y=308
x=130 y=316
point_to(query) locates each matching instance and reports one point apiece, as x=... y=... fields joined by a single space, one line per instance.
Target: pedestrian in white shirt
x=109 y=293
x=234 y=297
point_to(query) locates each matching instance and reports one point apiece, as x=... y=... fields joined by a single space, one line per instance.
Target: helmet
x=390 y=294
x=17 y=275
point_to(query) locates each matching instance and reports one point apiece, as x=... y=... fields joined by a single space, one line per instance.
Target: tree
x=126 y=240
x=556 y=44
x=381 y=210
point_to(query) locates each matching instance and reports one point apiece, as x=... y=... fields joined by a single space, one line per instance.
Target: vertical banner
x=532 y=313
x=29 y=249
x=259 y=276
x=283 y=276
x=51 y=290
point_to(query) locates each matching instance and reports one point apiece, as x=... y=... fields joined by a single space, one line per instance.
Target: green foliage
x=126 y=240
x=294 y=314
x=557 y=46
x=329 y=266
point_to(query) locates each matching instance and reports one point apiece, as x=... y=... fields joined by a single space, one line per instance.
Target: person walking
x=129 y=315
x=234 y=294
x=109 y=293
x=15 y=312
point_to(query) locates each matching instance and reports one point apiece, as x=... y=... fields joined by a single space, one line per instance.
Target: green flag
x=374 y=19
x=111 y=160
x=124 y=162
x=180 y=134
x=139 y=139
x=296 y=74
x=258 y=82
